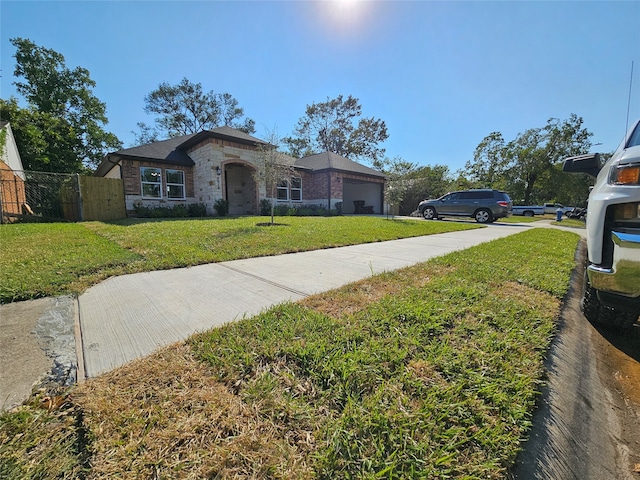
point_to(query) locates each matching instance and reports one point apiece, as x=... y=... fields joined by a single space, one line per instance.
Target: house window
x=283 y=190
x=290 y=190
x=151 y=179
x=175 y=184
x=296 y=189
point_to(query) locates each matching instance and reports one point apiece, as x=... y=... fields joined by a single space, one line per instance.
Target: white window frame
x=282 y=187
x=286 y=190
x=295 y=189
x=167 y=172
x=143 y=182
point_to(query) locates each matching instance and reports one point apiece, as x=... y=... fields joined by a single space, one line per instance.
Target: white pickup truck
x=531 y=210
x=611 y=295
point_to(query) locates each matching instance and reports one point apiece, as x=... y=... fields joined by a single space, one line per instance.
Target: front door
x=240 y=189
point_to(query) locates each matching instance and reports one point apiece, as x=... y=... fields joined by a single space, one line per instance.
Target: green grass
x=519 y=219
x=427 y=372
x=570 y=222
x=39 y=260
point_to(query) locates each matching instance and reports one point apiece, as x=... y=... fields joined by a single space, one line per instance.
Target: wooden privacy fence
x=42 y=196
x=101 y=198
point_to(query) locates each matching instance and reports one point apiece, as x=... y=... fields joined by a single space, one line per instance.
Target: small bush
x=197 y=210
x=142 y=211
x=222 y=207
x=265 y=207
x=161 y=212
x=175 y=211
x=179 y=211
x=280 y=210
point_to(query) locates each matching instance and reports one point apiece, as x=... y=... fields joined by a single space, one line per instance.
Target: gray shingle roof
x=161 y=150
x=172 y=151
x=329 y=160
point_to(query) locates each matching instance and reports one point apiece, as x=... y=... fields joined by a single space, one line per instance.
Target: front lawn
x=431 y=371
x=39 y=260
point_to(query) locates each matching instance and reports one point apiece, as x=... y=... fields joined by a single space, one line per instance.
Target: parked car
x=528 y=210
x=531 y=210
x=484 y=205
x=552 y=208
x=612 y=275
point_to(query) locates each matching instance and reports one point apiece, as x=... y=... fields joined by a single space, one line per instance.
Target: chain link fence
x=27 y=196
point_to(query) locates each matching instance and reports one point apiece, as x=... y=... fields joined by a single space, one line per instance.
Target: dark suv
x=484 y=205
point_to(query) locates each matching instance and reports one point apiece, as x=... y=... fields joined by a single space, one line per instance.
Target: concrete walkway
x=128 y=317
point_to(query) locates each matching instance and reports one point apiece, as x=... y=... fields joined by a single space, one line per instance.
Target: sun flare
x=345 y=11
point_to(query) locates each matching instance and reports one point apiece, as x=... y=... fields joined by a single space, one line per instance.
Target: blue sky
x=442 y=75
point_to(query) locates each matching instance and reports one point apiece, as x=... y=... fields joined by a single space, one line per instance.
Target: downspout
x=329 y=195
x=124 y=193
x=116 y=163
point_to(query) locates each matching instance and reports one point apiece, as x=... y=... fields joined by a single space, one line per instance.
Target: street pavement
x=130 y=316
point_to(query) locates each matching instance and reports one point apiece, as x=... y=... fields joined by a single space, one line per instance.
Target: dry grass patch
x=167 y=417
x=356 y=296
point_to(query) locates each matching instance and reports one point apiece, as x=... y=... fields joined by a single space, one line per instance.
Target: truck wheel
x=429 y=213
x=601 y=314
x=483 y=216
x=528 y=213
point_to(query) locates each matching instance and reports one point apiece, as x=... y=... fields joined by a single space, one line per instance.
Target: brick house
x=220 y=164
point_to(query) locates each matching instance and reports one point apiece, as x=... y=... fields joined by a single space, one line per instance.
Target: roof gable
x=223 y=133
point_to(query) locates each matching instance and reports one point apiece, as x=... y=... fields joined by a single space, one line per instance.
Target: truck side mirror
x=589 y=164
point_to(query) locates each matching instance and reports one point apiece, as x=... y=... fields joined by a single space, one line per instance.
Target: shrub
x=161 y=212
x=280 y=210
x=179 y=211
x=142 y=211
x=175 y=211
x=197 y=210
x=222 y=207
x=265 y=207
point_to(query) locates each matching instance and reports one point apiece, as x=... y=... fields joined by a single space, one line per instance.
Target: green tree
x=185 y=108
x=336 y=126
x=273 y=168
x=46 y=143
x=408 y=184
x=489 y=163
x=62 y=107
x=529 y=167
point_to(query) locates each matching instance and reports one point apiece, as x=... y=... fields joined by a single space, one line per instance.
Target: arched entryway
x=240 y=189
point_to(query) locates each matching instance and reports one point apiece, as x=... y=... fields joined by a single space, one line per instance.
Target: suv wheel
x=483 y=216
x=429 y=213
x=601 y=314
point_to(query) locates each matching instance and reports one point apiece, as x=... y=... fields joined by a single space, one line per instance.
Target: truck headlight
x=625 y=175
